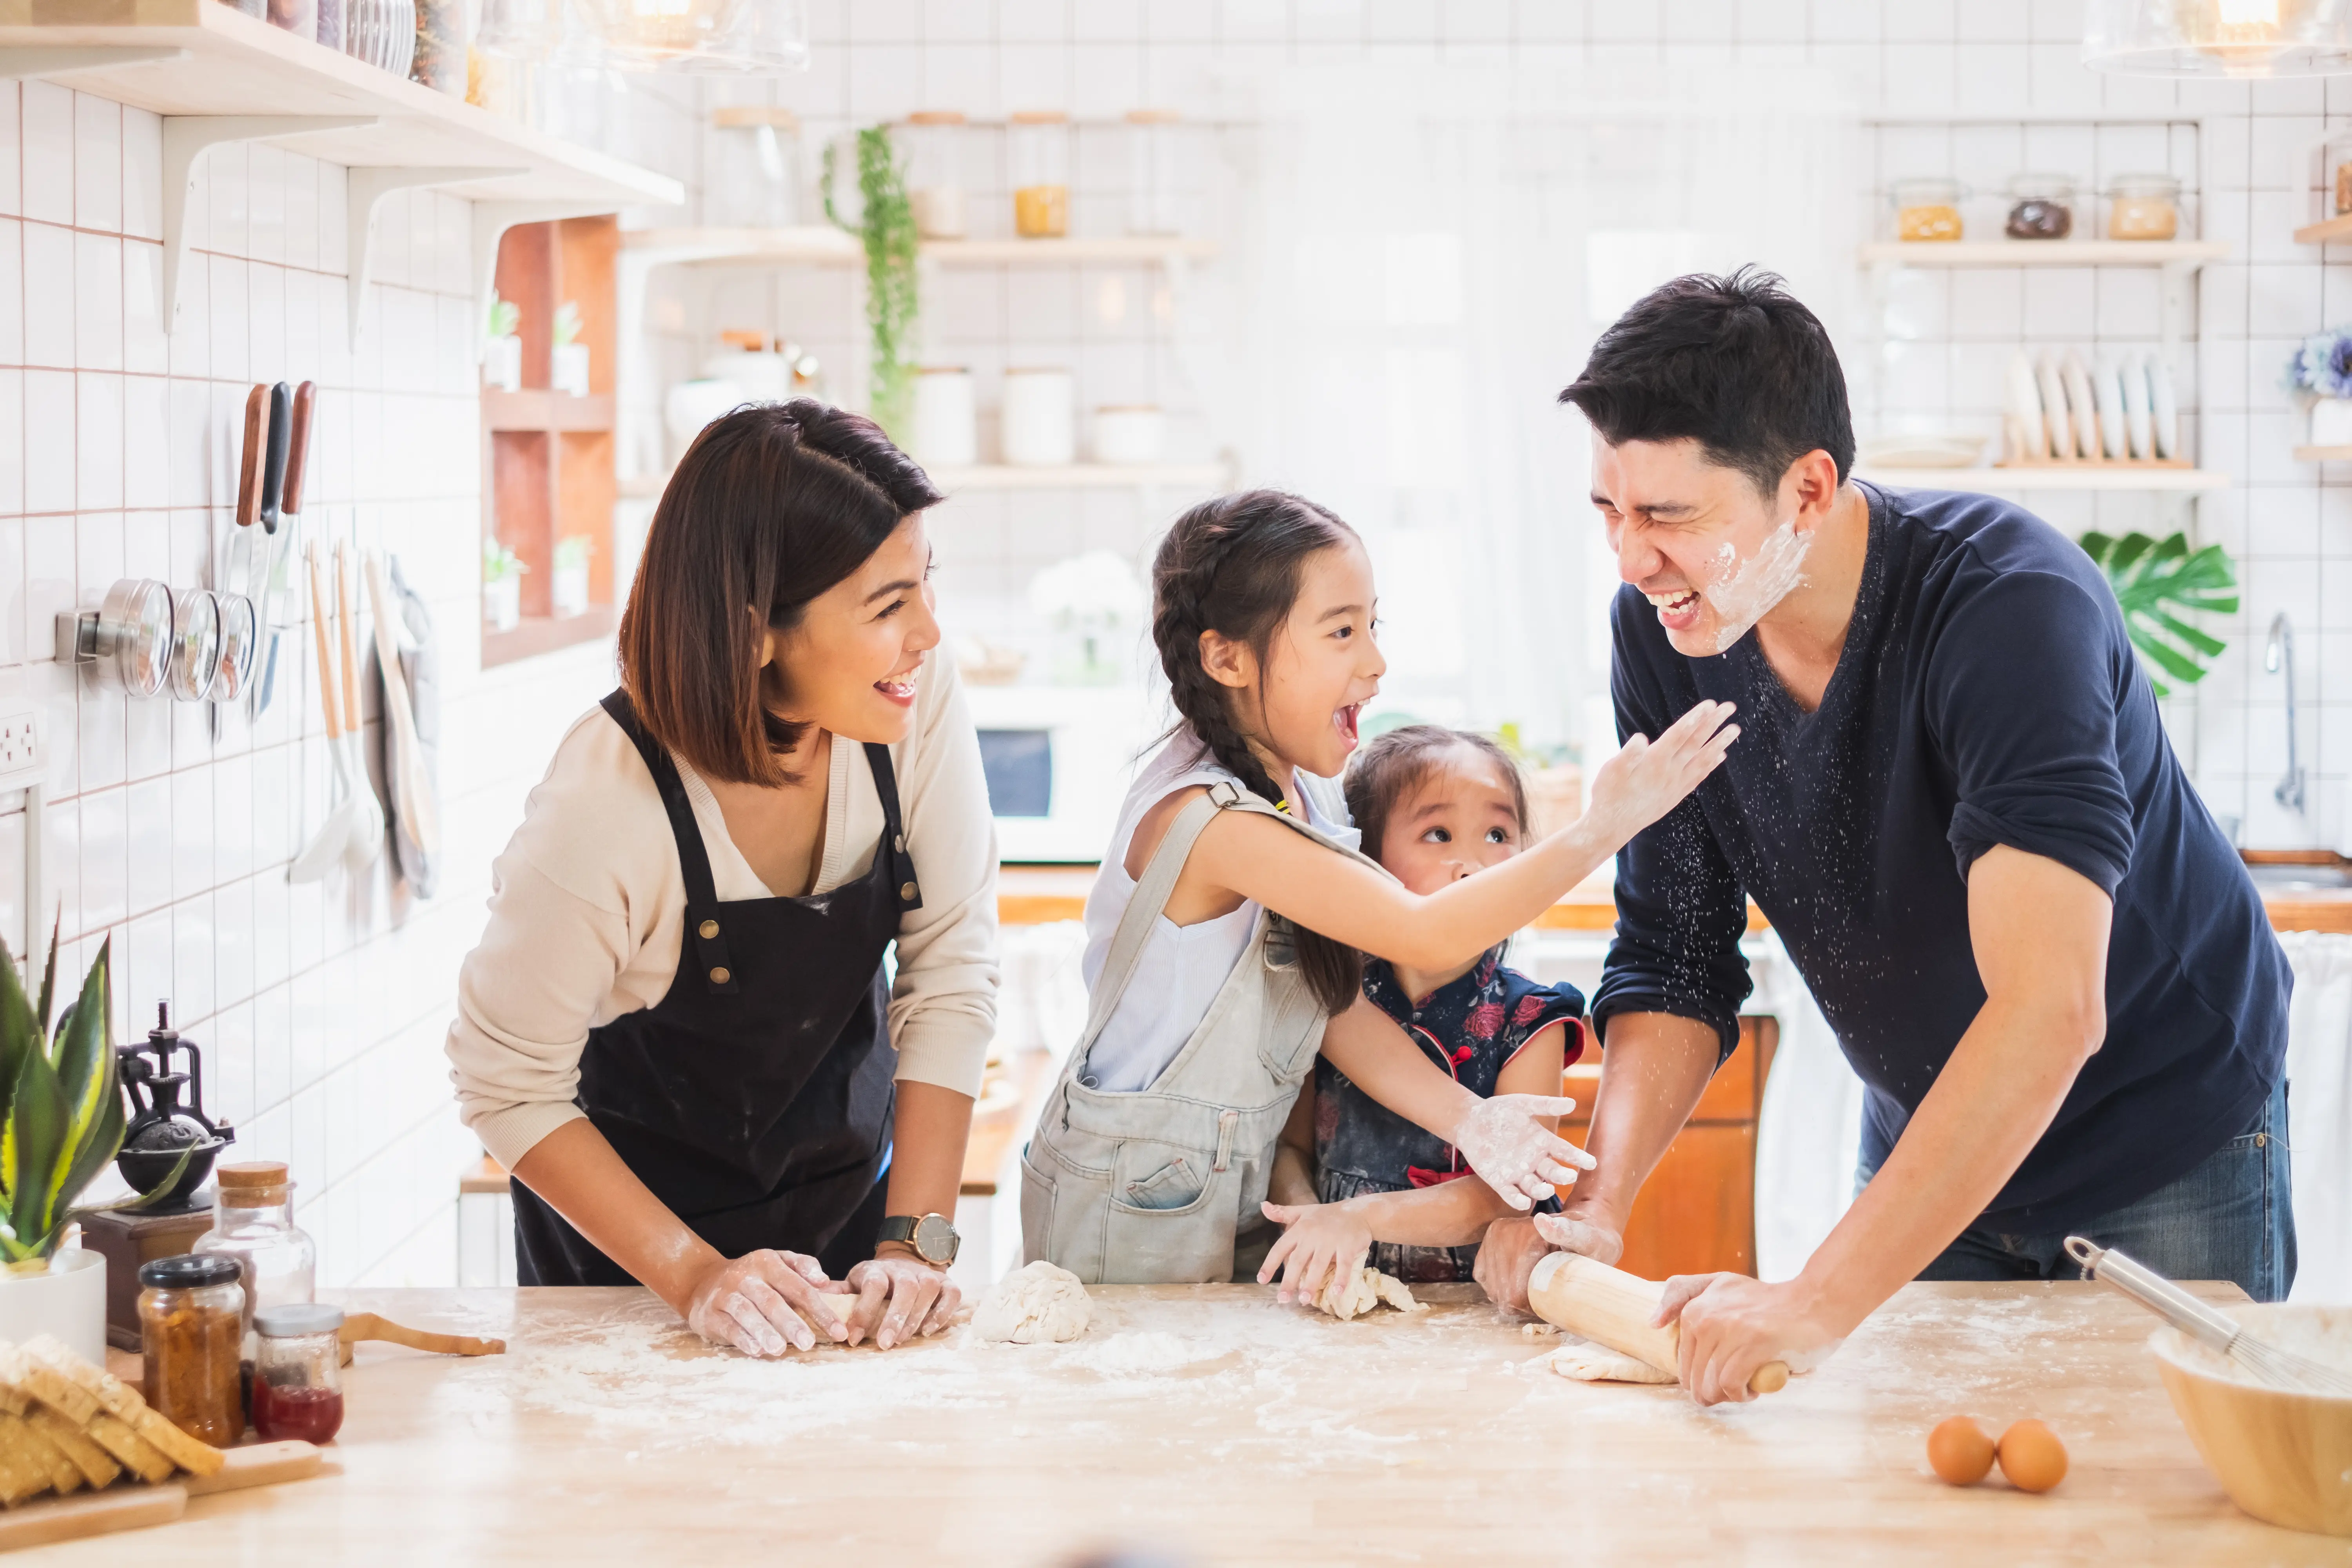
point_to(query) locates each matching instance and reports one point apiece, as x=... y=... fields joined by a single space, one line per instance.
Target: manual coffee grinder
x=160 y=1130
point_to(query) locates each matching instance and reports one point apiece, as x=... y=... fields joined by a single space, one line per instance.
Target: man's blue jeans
x=2231 y=1217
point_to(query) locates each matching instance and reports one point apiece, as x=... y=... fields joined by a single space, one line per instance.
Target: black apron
x=755 y=1098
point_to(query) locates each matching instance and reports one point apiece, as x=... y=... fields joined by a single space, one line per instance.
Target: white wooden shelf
x=2189 y=254
x=825 y=246
x=2323 y=454
x=1008 y=477
x=2013 y=481
x=2327 y=232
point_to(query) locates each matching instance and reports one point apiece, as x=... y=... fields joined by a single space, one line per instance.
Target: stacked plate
x=2064 y=408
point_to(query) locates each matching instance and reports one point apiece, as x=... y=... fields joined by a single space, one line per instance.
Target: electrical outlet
x=23 y=752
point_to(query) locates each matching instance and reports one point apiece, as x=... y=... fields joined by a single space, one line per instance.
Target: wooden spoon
x=360 y=1326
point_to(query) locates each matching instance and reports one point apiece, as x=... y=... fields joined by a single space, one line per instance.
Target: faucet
x=2280 y=656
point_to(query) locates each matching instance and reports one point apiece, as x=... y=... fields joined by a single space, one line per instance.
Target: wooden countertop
x=1034 y=895
x=1212 y=1426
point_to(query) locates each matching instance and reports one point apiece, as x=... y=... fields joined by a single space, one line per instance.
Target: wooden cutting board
x=135 y=1506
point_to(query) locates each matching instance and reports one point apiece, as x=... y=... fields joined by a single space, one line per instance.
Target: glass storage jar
x=1040 y=157
x=1927 y=209
x=2335 y=178
x=191 y=1333
x=2144 y=207
x=2040 y=206
x=298 y=1378
x=935 y=173
x=1156 y=177
x=439 y=59
x=252 y=1226
x=754 y=177
x=381 y=33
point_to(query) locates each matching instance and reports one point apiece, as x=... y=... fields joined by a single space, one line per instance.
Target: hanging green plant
x=2152 y=579
x=886 y=226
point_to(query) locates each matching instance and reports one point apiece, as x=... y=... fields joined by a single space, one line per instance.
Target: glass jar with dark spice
x=298 y=1380
x=192 y=1330
x=2040 y=206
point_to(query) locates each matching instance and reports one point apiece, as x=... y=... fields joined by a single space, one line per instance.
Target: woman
x=674 y=1031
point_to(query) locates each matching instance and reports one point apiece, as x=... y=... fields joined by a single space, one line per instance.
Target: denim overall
x=1162 y=1185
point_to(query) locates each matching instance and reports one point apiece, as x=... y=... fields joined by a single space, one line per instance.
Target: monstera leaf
x=2154 y=581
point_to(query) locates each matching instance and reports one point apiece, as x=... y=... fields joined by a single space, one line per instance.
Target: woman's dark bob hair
x=773 y=505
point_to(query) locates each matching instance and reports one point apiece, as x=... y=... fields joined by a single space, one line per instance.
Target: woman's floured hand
x=761 y=1303
x=899 y=1297
x=1319 y=1243
x=1646 y=779
x=1509 y=1141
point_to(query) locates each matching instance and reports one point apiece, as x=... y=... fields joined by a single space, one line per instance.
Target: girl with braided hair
x=1226 y=926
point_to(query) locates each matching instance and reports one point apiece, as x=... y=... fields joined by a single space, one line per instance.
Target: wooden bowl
x=2286 y=1458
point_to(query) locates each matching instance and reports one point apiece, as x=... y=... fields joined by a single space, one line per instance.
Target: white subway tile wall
x=323 y=1007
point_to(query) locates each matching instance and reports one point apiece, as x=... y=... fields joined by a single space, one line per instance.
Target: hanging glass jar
x=753 y=178
x=1156 y=145
x=1040 y=158
x=935 y=173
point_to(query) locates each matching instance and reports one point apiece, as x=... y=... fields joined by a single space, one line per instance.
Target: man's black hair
x=1734 y=364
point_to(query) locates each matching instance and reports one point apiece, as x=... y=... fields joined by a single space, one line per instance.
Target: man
x=1955 y=800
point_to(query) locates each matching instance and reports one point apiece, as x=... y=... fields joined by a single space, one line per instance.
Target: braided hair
x=1232 y=567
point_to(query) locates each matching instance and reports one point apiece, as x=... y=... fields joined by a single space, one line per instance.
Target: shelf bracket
x=365 y=187
x=16 y=65
x=491 y=221
x=185 y=139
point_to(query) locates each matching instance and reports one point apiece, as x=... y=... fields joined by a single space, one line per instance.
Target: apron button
x=905 y=889
x=900 y=842
x=719 y=976
x=709 y=929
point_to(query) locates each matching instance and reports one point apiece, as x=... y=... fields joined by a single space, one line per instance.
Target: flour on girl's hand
x=1744 y=592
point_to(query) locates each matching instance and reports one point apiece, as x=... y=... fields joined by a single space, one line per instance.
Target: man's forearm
x=1651 y=1073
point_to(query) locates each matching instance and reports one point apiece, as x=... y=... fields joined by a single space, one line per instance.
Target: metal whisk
x=2279 y=1369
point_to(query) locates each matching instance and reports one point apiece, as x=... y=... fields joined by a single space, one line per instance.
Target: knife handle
x=250 y=464
x=297 y=466
x=273 y=472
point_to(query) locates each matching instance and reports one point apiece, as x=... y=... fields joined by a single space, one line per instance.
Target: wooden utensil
x=135 y=1506
x=334 y=835
x=404 y=757
x=1611 y=1307
x=360 y=1326
x=367 y=815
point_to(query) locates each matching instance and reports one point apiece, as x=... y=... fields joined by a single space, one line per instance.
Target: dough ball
x=1037 y=1303
x=1960 y=1452
x=1358 y=1291
x=1590 y=1362
x=2032 y=1456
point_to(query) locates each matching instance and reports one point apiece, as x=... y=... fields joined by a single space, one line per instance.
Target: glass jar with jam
x=2144 y=207
x=1040 y=157
x=191 y=1337
x=298 y=1378
x=1927 y=209
x=2040 y=206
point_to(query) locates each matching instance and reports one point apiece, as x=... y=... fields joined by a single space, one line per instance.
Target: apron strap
x=707 y=939
x=894 y=832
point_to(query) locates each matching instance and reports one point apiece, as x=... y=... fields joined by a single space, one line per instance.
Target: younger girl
x=1353 y=1177
x=1223 y=929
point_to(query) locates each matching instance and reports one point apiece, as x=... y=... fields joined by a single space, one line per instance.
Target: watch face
x=935 y=1238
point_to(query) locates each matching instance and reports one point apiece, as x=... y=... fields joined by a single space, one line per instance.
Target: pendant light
x=2237 y=38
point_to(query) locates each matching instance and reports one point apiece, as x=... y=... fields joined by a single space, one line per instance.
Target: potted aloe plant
x=61 y=1123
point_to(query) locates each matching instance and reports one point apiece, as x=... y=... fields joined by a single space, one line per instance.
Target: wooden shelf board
x=2010 y=481
x=2323 y=454
x=823 y=246
x=2046 y=252
x=231 y=64
x=544 y=633
x=538 y=409
x=1007 y=477
x=2327 y=232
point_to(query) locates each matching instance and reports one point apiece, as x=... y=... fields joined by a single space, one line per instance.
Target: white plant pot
x=69 y=1301
x=567 y=368
x=1039 y=422
x=503 y=363
x=2331 y=422
x=502 y=603
x=569 y=588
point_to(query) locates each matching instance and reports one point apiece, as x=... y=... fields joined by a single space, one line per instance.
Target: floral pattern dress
x=1472 y=1026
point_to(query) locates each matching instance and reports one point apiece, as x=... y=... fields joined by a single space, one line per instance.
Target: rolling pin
x=1611 y=1307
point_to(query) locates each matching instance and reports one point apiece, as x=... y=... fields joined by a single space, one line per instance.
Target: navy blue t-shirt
x=1986 y=694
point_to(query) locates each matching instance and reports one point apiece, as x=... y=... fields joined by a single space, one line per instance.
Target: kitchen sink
x=2301 y=879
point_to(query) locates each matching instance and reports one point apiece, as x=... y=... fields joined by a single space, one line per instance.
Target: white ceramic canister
x=947 y=431
x=1130 y=435
x=69 y=1301
x=1040 y=417
x=691 y=405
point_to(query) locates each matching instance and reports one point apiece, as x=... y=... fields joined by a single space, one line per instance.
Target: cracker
x=38 y=1448
x=96 y=1464
x=140 y=1457
x=23 y=1474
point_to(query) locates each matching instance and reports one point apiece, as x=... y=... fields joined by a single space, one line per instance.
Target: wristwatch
x=932 y=1237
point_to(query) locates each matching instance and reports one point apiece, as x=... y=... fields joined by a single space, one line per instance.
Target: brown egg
x=1959 y=1451
x=2033 y=1457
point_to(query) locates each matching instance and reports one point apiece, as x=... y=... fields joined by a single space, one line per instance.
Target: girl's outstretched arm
x=1352 y=903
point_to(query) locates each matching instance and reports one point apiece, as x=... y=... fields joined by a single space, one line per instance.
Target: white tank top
x=1182 y=967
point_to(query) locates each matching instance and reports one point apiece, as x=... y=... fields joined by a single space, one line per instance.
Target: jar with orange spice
x=192 y=1332
x=1927 y=209
x=1040 y=157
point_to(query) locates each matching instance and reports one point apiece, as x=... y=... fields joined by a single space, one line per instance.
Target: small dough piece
x=1353 y=1294
x=1590 y=1362
x=1037 y=1303
x=1538 y=1329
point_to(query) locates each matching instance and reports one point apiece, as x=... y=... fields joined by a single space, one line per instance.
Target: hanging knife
x=289 y=451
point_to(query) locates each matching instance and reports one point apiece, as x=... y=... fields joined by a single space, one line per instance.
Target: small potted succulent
x=2321 y=371
x=502 y=571
x=567 y=357
x=569 y=587
x=61 y=1123
x=502 y=356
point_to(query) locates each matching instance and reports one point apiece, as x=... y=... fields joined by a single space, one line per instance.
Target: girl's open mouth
x=1344 y=721
x=1677 y=610
x=898 y=689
